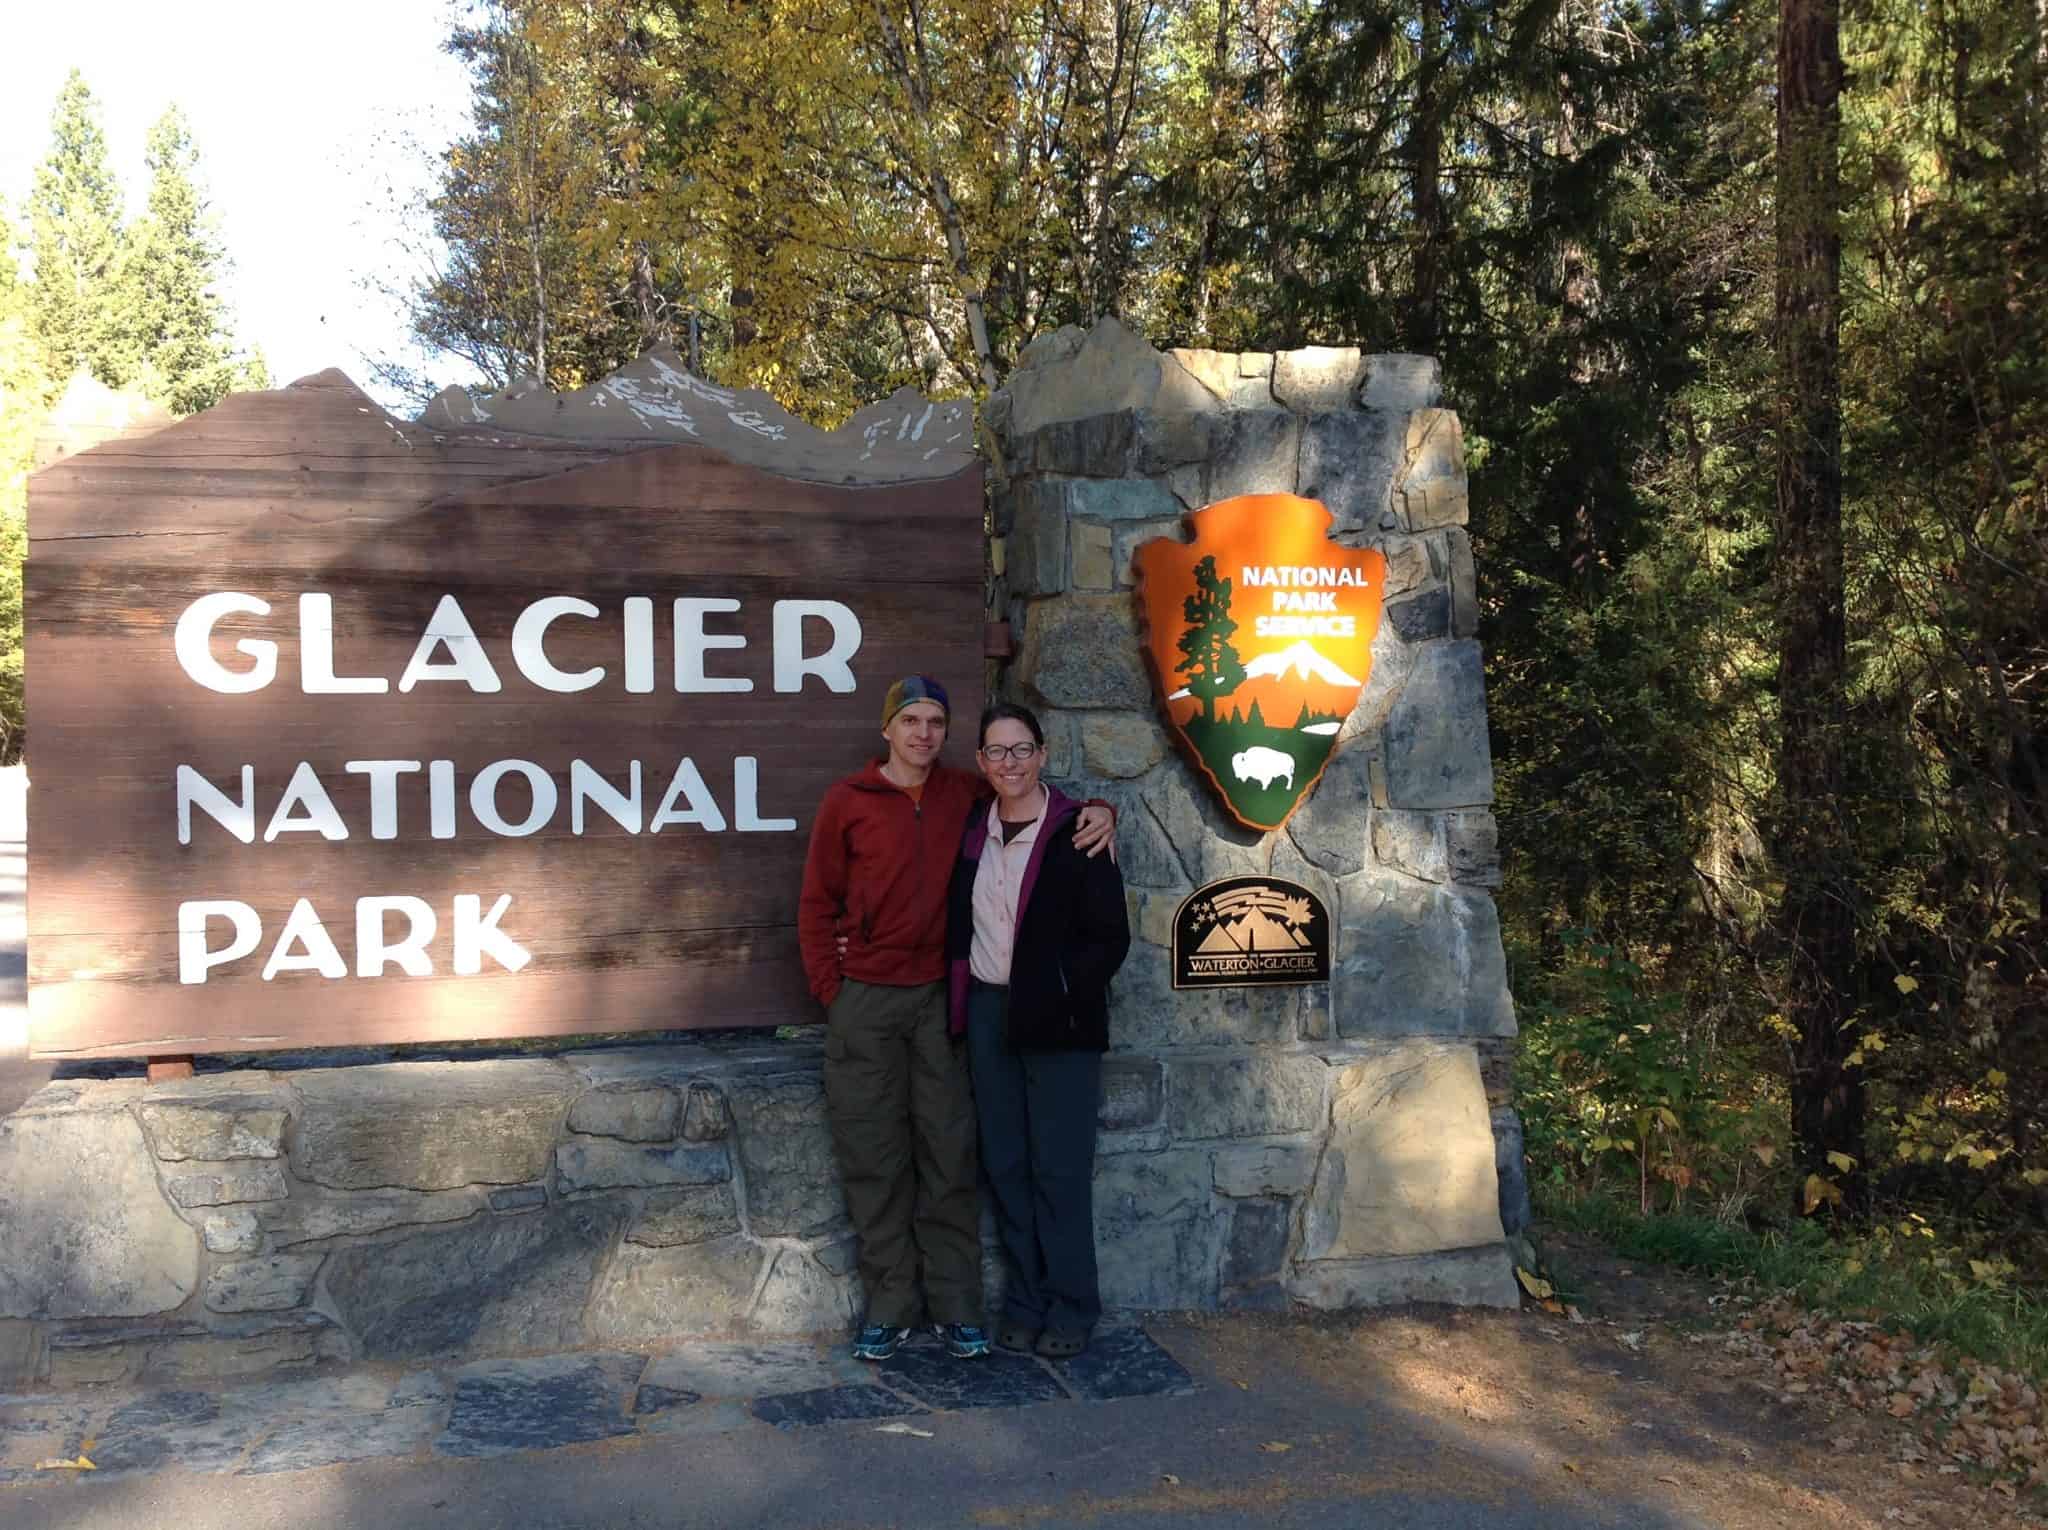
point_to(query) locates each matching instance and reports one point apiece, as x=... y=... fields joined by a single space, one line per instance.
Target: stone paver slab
x=801 y=1410
x=539 y=1404
x=1124 y=1362
x=754 y=1370
x=992 y=1381
x=329 y=1439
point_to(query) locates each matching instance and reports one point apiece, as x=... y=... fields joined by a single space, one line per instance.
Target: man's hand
x=1095 y=831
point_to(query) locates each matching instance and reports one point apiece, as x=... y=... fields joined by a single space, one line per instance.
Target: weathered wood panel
x=681 y=924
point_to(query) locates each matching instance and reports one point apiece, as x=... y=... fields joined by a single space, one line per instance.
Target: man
x=872 y=927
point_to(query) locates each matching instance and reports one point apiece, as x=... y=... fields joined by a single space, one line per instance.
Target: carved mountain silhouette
x=1305 y=663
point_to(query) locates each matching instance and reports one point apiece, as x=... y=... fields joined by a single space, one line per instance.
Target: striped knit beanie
x=914 y=688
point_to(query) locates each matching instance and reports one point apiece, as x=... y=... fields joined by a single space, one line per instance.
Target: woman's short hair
x=999 y=711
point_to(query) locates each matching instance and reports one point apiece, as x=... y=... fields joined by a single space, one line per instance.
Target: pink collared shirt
x=998 y=883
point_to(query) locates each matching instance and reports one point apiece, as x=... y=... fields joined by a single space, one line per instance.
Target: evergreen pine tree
x=75 y=232
x=1254 y=717
x=175 y=322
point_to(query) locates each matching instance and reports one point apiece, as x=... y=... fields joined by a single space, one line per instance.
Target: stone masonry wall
x=1333 y=1144
x=1328 y=1145
x=240 y=1222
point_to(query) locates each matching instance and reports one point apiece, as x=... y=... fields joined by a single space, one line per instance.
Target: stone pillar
x=1330 y=1144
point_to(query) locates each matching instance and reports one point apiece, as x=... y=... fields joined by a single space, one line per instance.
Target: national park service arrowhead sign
x=1260 y=639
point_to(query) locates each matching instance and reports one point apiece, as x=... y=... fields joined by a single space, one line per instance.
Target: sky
x=312 y=123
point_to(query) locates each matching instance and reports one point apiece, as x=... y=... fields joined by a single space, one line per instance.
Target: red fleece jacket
x=877 y=873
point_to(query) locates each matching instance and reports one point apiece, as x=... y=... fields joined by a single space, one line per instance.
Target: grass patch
x=1916 y=1282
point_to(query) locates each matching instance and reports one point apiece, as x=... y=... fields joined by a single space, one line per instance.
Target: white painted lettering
x=192 y=641
x=483 y=797
x=194 y=958
x=374 y=952
x=238 y=818
x=746 y=800
x=835 y=665
x=441 y=798
x=316 y=654
x=467 y=662
x=586 y=785
x=383 y=776
x=529 y=645
x=304 y=791
x=478 y=935
x=639 y=645
x=692 y=640
x=316 y=952
x=689 y=785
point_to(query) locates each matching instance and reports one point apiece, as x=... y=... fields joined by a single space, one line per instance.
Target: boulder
x=651 y=1294
x=801 y=1296
x=1415 y=959
x=88 y=1233
x=1411 y=843
x=785 y=1148
x=1111 y=369
x=1133 y=1093
x=631 y=1114
x=314 y=1215
x=1265 y=1169
x=1146 y=1014
x=1119 y=744
x=1401 y=383
x=429 y=1126
x=1083 y=651
x=217 y=1129
x=1252 y=451
x=1329 y=827
x=1409 y=1168
x=275 y=1284
x=1472 y=846
x=1261 y=1095
x=1349 y=462
x=1435 y=747
x=672 y=1218
x=586 y=1165
x=1466 y=1277
x=226 y=1184
x=1317 y=376
x=1158 y=1239
x=491 y=1286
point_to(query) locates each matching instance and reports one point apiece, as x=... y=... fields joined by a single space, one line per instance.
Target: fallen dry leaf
x=1169 y=1479
x=81 y=1463
x=1276 y=1447
x=909 y=1429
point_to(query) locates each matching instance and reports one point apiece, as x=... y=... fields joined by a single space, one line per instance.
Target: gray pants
x=1037 y=1115
x=903 y=1131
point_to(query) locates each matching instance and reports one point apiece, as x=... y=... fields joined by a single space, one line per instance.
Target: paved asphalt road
x=1258 y=1444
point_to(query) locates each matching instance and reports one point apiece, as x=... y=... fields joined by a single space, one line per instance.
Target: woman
x=1034 y=930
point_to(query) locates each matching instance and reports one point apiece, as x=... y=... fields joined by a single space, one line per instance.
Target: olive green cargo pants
x=902 y=1118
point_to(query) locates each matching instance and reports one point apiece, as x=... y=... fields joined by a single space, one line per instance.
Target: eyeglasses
x=1001 y=753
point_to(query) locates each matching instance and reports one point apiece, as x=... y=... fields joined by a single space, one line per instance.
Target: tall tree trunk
x=1426 y=149
x=1816 y=918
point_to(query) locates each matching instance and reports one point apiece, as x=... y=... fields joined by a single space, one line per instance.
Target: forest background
x=1743 y=307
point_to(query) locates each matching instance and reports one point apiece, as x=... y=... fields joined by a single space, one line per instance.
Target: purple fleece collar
x=1059 y=807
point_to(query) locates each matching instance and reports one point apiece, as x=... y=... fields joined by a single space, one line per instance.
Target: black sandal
x=1061 y=1344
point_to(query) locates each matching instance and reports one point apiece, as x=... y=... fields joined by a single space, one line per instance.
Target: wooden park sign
x=507 y=723
x=1259 y=637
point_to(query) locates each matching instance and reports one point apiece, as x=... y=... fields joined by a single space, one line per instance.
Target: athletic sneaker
x=878 y=1341
x=963 y=1341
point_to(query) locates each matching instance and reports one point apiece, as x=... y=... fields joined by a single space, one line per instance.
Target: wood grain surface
x=313 y=489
